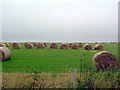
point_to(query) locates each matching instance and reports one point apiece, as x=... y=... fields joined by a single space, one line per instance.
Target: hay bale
x=69 y=45
x=74 y=46
x=5 y=53
x=105 y=61
x=79 y=45
x=53 y=46
x=45 y=45
x=7 y=44
x=16 y=46
x=28 y=46
x=87 y=47
x=63 y=46
x=3 y=45
x=39 y=45
x=98 y=47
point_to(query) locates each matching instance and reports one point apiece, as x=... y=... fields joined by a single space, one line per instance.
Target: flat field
x=53 y=60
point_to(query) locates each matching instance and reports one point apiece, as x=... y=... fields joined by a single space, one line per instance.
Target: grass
x=55 y=69
x=52 y=60
x=61 y=80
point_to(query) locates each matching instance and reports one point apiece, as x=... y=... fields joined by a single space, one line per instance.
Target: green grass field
x=53 y=60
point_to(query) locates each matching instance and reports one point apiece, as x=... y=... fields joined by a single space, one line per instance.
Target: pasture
x=54 y=68
x=53 y=60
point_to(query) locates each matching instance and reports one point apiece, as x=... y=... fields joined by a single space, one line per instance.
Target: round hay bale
x=87 y=47
x=5 y=53
x=39 y=45
x=105 y=61
x=45 y=45
x=98 y=47
x=69 y=45
x=74 y=46
x=16 y=46
x=3 y=45
x=28 y=46
x=7 y=44
x=63 y=46
x=53 y=46
x=79 y=45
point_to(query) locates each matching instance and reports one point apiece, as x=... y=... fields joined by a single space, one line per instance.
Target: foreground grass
x=61 y=80
x=53 y=60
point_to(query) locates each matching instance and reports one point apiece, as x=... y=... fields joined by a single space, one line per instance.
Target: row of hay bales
x=54 y=46
x=103 y=60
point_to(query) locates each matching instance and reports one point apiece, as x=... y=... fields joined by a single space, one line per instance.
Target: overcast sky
x=60 y=20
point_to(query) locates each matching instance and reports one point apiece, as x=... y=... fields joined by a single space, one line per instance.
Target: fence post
x=74 y=79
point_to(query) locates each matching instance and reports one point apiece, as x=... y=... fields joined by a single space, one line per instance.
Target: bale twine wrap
x=87 y=47
x=74 y=46
x=16 y=46
x=63 y=46
x=39 y=45
x=45 y=45
x=79 y=45
x=98 y=47
x=3 y=45
x=53 y=46
x=105 y=61
x=5 y=53
x=28 y=46
x=69 y=45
